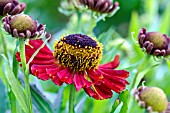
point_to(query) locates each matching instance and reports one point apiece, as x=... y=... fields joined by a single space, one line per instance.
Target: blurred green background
x=115 y=34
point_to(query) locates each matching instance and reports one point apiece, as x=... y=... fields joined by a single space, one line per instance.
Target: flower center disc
x=78 y=52
x=22 y=23
x=159 y=41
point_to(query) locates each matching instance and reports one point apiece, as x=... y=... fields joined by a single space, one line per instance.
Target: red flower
x=83 y=70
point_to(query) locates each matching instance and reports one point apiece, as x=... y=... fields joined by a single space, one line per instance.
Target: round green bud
x=155 y=98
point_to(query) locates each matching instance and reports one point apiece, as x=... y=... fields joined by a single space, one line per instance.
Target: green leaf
x=102 y=104
x=40 y=101
x=79 y=107
x=133 y=35
x=109 y=56
x=15 y=62
x=124 y=98
x=168 y=62
x=141 y=74
x=164 y=26
x=115 y=105
x=151 y=8
x=134 y=24
x=16 y=87
x=49 y=86
x=58 y=101
x=3 y=98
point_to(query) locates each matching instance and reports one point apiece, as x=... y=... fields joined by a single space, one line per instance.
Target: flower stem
x=78 y=21
x=26 y=75
x=71 y=99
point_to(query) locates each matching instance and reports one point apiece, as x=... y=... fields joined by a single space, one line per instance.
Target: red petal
x=99 y=92
x=95 y=77
x=113 y=85
x=66 y=76
x=53 y=71
x=37 y=43
x=40 y=71
x=80 y=81
x=103 y=92
x=57 y=80
x=43 y=61
x=91 y=93
x=111 y=65
x=111 y=72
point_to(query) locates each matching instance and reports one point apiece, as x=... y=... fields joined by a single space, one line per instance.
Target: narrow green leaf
x=58 y=101
x=134 y=24
x=80 y=105
x=124 y=98
x=3 y=98
x=15 y=85
x=141 y=74
x=134 y=28
x=168 y=62
x=151 y=8
x=115 y=105
x=12 y=101
x=15 y=62
x=49 y=86
x=40 y=101
x=2 y=75
x=111 y=54
x=164 y=26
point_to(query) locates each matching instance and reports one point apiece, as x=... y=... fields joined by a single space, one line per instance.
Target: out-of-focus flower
x=168 y=108
x=101 y=6
x=23 y=26
x=11 y=7
x=154 y=43
x=75 y=60
x=151 y=98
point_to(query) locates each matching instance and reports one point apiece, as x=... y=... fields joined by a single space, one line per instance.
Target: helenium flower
x=75 y=60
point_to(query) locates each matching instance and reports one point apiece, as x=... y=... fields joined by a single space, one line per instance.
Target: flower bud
x=152 y=98
x=101 y=6
x=23 y=26
x=11 y=7
x=154 y=43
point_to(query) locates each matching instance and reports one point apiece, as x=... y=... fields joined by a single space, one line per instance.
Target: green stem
x=26 y=75
x=78 y=29
x=4 y=44
x=131 y=98
x=71 y=99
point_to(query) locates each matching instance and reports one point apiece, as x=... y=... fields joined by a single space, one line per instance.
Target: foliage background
x=115 y=34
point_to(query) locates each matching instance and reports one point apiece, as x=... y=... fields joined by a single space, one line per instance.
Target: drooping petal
x=41 y=62
x=80 y=81
x=66 y=76
x=105 y=79
x=111 y=65
x=99 y=92
x=56 y=80
x=111 y=72
x=95 y=77
x=40 y=71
